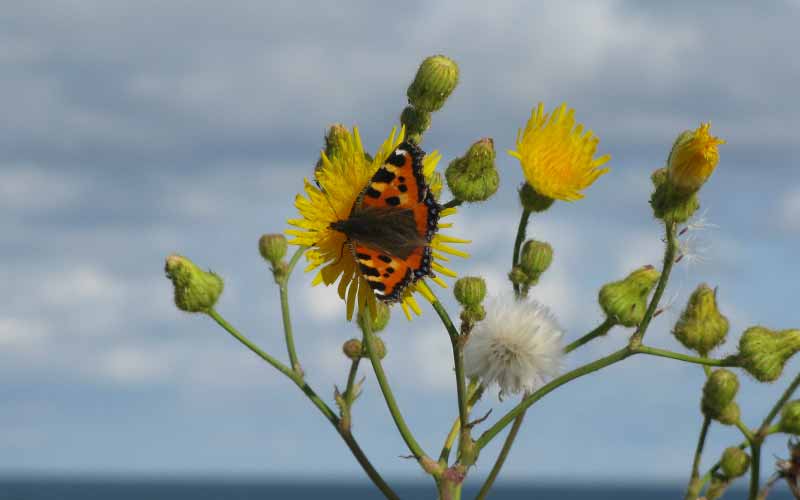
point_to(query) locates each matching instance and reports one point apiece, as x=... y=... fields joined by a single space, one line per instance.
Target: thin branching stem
x=326 y=411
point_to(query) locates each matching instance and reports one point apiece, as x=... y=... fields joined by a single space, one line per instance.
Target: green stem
x=453 y=203
x=521 y=229
x=394 y=410
x=501 y=458
x=601 y=330
x=283 y=285
x=747 y=433
x=755 y=469
x=326 y=411
x=669 y=260
x=779 y=404
x=351 y=379
x=653 y=351
x=586 y=369
x=458 y=360
x=474 y=391
x=690 y=493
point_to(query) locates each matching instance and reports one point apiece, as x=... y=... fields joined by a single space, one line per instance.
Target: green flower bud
x=416 y=121
x=701 y=326
x=336 y=135
x=273 y=248
x=380 y=347
x=734 y=462
x=195 y=290
x=474 y=177
x=472 y=314
x=436 y=79
x=764 y=352
x=535 y=258
x=470 y=290
x=625 y=301
x=380 y=317
x=730 y=414
x=532 y=200
x=718 y=392
x=353 y=349
x=518 y=276
x=669 y=204
x=790 y=417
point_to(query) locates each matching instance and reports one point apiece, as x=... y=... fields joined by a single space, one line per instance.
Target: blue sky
x=134 y=130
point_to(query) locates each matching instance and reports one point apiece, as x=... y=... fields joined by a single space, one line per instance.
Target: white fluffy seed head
x=517 y=346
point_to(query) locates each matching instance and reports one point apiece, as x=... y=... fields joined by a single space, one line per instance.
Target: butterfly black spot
x=372 y=192
x=383 y=175
x=368 y=271
x=403 y=188
x=377 y=285
x=390 y=270
x=401 y=179
x=396 y=159
x=385 y=258
x=385 y=275
x=393 y=201
x=363 y=256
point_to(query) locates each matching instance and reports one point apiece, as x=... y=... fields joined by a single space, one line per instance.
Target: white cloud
x=21 y=333
x=133 y=365
x=790 y=210
x=29 y=188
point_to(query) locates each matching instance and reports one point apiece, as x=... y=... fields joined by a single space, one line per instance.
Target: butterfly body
x=391 y=225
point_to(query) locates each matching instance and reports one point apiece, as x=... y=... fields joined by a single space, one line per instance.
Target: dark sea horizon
x=30 y=487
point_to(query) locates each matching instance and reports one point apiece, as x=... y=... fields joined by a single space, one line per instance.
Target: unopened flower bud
x=532 y=200
x=535 y=258
x=790 y=417
x=625 y=301
x=335 y=139
x=474 y=176
x=764 y=352
x=470 y=290
x=273 y=248
x=380 y=317
x=415 y=121
x=353 y=349
x=734 y=462
x=718 y=392
x=693 y=158
x=195 y=290
x=670 y=205
x=729 y=415
x=701 y=326
x=436 y=79
x=378 y=346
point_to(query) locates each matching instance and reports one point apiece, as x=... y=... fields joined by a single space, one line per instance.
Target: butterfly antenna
x=341 y=253
x=331 y=205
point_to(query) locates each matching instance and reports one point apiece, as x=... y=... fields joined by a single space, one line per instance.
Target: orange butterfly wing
x=399 y=184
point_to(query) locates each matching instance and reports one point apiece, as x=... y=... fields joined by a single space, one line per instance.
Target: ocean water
x=97 y=489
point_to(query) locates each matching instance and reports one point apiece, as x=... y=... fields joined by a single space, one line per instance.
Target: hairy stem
x=351 y=380
x=458 y=360
x=283 y=285
x=523 y=226
x=601 y=330
x=701 y=441
x=755 y=469
x=388 y=395
x=474 y=391
x=669 y=260
x=501 y=458
x=653 y=351
x=326 y=411
x=586 y=369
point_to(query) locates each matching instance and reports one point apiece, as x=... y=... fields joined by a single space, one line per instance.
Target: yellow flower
x=557 y=155
x=693 y=158
x=340 y=180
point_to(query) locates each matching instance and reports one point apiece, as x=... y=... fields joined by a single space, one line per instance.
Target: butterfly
x=391 y=225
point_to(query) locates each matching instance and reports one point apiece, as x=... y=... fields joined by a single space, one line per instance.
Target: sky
x=132 y=130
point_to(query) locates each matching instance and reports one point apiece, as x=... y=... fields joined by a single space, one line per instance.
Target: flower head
x=340 y=180
x=518 y=346
x=693 y=158
x=557 y=156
